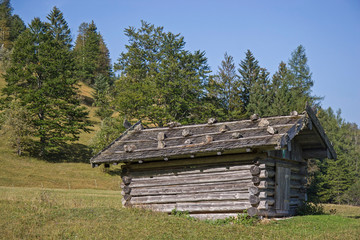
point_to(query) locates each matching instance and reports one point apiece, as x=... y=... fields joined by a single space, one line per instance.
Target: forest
x=156 y=80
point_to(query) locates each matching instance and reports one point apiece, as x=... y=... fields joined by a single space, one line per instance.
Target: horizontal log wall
x=212 y=187
x=209 y=188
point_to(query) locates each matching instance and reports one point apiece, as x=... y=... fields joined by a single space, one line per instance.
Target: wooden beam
x=314 y=153
x=320 y=130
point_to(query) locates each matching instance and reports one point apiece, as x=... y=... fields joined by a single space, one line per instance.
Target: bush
x=310 y=208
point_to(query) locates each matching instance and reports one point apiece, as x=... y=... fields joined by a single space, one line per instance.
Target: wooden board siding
x=282 y=189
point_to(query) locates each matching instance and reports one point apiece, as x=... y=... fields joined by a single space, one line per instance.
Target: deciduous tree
x=160 y=81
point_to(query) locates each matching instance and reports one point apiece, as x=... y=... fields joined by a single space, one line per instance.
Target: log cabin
x=219 y=169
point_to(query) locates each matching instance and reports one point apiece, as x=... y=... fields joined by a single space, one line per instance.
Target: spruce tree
x=335 y=176
x=299 y=68
x=102 y=97
x=281 y=101
x=249 y=71
x=228 y=88
x=259 y=100
x=10 y=25
x=91 y=54
x=40 y=77
x=302 y=79
x=59 y=28
x=17 y=26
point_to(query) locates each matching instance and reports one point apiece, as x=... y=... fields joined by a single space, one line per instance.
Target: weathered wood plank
x=198 y=161
x=192 y=170
x=190 y=174
x=200 y=207
x=282 y=190
x=213 y=196
x=241 y=186
x=213 y=216
x=195 y=179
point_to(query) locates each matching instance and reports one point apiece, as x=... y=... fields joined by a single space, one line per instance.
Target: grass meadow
x=45 y=213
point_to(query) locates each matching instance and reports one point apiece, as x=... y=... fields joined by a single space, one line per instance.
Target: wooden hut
x=217 y=170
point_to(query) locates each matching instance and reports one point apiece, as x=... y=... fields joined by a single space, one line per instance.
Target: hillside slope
x=71 y=172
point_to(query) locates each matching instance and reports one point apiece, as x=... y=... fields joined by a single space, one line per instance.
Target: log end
x=252 y=211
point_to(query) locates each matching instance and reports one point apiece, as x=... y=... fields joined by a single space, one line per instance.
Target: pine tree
x=91 y=54
x=17 y=26
x=228 y=89
x=102 y=97
x=335 y=176
x=59 y=28
x=103 y=63
x=249 y=72
x=281 y=102
x=301 y=71
x=40 y=77
x=259 y=101
x=11 y=26
x=302 y=79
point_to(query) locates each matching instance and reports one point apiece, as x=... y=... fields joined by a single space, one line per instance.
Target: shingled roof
x=270 y=133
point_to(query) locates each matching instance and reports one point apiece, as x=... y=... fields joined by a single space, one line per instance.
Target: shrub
x=310 y=208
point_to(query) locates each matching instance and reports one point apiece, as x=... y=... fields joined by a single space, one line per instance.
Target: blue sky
x=329 y=31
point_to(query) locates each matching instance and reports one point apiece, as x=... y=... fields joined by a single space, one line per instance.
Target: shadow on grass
x=64 y=153
x=355 y=217
x=114 y=172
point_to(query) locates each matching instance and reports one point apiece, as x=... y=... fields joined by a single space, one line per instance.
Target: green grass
x=31 y=172
x=35 y=213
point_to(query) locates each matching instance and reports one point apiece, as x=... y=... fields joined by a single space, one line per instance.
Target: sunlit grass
x=28 y=213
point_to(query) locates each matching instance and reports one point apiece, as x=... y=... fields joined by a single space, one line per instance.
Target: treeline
x=158 y=81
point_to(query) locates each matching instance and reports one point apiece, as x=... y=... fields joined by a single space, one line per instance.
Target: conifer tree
x=227 y=89
x=59 y=28
x=249 y=71
x=11 y=26
x=281 y=102
x=301 y=82
x=17 y=26
x=91 y=54
x=102 y=97
x=299 y=68
x=40 y=78
x=335 y=176
x=259 y=100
